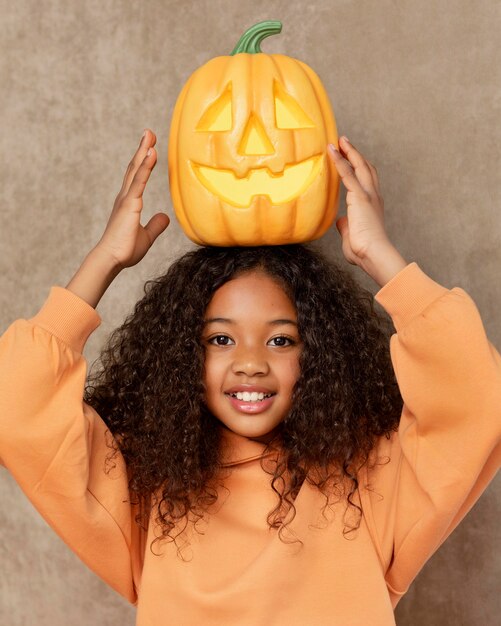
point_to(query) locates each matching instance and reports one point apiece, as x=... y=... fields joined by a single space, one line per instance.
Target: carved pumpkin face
x=247 y=152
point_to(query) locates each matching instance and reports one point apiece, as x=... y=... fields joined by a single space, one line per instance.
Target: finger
x=141 y=177
x=156 y=225
x=347 y=173
x=360 y=166
x=147 y=140
x=375 y=178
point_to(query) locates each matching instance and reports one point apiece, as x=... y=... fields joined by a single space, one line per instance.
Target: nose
x=255 y=140
x=250 y=361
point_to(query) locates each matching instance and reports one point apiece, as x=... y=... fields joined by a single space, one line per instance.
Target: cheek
x=291 y=370
x=213 y=371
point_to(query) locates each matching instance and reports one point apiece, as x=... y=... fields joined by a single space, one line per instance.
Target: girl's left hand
x=362 y=229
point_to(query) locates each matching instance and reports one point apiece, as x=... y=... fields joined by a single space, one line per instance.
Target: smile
x=280 y=188
x=248 y=406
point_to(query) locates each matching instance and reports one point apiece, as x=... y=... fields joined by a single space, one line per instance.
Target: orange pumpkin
x=247 y=149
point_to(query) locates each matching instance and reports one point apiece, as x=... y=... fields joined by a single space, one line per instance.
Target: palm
x=365 y=222
x=125 y=237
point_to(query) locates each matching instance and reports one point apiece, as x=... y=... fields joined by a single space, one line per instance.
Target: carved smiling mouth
x=280 y=188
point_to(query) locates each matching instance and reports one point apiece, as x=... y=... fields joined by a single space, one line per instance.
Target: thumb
x=343 y=228
x=342 y=225
x=156 y=225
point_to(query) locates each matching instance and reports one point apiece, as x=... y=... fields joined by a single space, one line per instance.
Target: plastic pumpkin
x=247 y=149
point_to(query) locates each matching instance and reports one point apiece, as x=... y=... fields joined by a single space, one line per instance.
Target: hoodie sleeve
x=448 y=446
x=54 y=444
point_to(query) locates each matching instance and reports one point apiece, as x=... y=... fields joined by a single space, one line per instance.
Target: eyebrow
x=228 y=321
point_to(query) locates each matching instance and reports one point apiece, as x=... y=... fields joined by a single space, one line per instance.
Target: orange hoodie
x=239 y=573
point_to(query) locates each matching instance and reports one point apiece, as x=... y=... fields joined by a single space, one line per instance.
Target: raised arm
x=448 y=446
x=51 y=441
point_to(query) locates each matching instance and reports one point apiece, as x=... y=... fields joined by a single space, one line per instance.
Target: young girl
x=249 y=452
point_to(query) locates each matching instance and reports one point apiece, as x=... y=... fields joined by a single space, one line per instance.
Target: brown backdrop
x=414 y=85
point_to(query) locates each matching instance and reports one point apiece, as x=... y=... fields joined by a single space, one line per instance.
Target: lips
x=248 y=406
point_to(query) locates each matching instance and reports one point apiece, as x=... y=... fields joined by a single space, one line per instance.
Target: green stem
x=252 y=38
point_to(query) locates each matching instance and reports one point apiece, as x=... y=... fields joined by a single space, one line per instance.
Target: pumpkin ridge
x=176 y=125
x=259 y=200
x=293 y=216
x=320 y=104
x=220 y=205
x=323 y=100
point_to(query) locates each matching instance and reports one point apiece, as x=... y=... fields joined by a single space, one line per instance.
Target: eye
x=217 y=343
x=288 y=113
x=219 y=115
x=283 y=338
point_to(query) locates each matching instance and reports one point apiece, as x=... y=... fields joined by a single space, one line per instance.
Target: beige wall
x=414 y=84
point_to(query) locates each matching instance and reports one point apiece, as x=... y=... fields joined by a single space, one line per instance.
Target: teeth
x=250 y=397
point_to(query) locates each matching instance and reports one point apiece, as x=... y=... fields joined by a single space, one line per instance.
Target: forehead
x=253 y=294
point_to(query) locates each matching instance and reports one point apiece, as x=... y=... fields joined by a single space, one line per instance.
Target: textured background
x=414 y=85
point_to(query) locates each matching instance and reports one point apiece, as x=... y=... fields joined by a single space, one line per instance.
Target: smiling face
x=279 y=187
x=247 y=153
x=252 y=346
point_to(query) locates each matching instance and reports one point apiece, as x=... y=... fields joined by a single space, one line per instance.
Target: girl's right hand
x=124 y=238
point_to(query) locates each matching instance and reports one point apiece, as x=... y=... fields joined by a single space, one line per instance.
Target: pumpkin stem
x=252 y=38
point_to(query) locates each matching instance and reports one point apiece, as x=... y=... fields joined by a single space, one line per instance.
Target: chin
x=262 y=437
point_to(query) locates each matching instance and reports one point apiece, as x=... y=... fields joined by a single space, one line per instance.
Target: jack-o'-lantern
x=247 y=149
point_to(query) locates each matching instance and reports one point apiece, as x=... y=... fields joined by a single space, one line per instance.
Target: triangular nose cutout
x=255 y=140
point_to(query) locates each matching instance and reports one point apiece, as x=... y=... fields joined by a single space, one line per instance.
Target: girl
x=248 y=452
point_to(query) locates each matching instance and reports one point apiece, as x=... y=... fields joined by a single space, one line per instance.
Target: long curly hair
x=149 y=387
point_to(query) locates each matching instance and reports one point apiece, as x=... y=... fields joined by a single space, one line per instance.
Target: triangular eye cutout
x=218 y=116
x=288 y=113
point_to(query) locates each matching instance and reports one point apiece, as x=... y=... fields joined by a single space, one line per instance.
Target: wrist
x=105 y=260
x=94 y=276
x=383 y=262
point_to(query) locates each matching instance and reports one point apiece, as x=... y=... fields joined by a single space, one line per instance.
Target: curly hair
x=149 y=387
